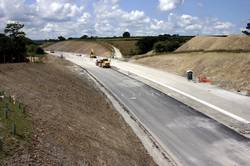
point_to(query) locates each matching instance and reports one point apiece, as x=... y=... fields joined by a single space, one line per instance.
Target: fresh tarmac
x=192 y=138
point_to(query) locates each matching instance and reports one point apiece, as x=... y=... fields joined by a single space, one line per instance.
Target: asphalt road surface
x=192 y=138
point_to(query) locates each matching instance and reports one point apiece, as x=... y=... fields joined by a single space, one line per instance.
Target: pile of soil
x=83 y=47
x=73 y=123
x=211 y=43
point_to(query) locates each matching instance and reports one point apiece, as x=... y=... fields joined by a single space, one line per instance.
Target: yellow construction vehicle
x=103 y=62
x=92 y=54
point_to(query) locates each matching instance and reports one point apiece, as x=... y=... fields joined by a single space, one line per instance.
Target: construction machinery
x=92 y=54
x=103 y=62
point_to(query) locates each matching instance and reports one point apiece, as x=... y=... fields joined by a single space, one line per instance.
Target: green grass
x=16 y=115
x=127 y=46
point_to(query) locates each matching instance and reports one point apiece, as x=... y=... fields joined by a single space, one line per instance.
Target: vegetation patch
x=15 y=47
x=15 y=126
x=161 y=43
x=128 y=48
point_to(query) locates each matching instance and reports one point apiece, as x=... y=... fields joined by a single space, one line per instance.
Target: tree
x=61 y=38
x=126 y=35
x=17 y=43
x=247 y=30
x=5 y=48
x=84 y=37
x=13 y=30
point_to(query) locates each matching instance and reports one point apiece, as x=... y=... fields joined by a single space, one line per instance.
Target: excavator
x=92 y=54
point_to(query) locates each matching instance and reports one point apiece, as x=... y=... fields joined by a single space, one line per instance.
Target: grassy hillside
x=227 y=70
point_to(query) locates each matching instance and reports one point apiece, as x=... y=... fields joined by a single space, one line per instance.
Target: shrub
x=146 y=44
x=39 y=51
x=166 y=46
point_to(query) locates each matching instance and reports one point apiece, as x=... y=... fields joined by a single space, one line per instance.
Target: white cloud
x=112 y=20
x=58 y=10
x=167 y=5
x=223 y=25
x=45 y=18
x=49 y=19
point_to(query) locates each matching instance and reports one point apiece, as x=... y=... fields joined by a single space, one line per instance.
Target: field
x=72 y=122
x=127 y=46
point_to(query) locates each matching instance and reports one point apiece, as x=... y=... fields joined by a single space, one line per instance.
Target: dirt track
x=73 y=124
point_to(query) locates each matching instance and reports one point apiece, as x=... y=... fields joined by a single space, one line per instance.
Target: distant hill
x=213 y=43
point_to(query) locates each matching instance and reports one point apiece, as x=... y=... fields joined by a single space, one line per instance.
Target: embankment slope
x=224 y=60
x=83 y=47
x=73 y=123
x=238 y=43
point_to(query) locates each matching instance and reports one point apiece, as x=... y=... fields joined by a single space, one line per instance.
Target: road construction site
x=72 y=122
x=186 y=134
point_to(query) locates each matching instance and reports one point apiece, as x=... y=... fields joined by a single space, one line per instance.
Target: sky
x=45 y=19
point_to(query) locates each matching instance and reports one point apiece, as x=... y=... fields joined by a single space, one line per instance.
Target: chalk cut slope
x=83 y=47
x=213 y=43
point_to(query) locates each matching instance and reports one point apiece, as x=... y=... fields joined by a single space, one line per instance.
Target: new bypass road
x=191 y=138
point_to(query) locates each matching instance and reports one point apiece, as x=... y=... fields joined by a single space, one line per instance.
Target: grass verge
x=15 y=126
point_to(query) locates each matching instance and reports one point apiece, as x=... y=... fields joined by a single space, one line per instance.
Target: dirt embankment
x=210 y=43
x=83 y=47
x=227 y=70
x=73 y=123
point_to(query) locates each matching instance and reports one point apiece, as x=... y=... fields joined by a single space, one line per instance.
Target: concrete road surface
x=192 y=138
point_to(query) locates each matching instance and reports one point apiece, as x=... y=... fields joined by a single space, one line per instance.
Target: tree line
x=161 y=43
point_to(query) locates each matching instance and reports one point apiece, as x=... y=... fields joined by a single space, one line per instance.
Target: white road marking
x=202 y=102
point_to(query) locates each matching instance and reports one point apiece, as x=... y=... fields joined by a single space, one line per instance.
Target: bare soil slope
x=73 y=123
x=228 y=70
x=210 y=43
x=83 y=47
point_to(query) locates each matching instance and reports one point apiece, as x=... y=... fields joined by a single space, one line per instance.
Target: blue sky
x=236 y=11
x=73 y=18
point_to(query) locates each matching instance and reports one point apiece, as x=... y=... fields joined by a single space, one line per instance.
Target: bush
x=34 y=50
x=39 y=51
x=146 y=44
x=165 y=43
x=166 y=46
